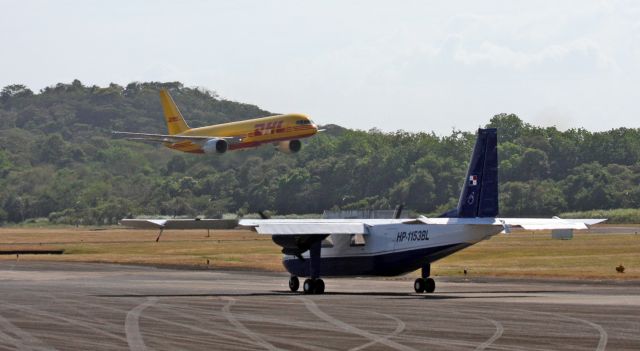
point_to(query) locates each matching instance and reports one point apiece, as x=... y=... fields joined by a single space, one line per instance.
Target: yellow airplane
x=284 y=131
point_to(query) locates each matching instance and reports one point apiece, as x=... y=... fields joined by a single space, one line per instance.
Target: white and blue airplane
x=388 y=247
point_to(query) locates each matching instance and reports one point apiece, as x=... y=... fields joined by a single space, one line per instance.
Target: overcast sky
x=412 y=65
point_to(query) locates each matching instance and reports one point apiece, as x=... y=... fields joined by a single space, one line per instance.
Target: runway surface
x=75 y=306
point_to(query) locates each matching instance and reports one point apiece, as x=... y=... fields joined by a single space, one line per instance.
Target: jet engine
x=215 y=145
x=289 y=146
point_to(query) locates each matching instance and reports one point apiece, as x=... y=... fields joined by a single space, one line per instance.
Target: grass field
x=521 y=254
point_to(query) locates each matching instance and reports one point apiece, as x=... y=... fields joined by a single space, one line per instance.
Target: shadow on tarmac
x=433 y=296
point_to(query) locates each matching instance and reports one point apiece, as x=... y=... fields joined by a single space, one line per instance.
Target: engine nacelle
x=215 y=145
x=289 y=146
x=297 y=244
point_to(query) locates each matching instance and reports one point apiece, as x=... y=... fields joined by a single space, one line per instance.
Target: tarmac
x=90 y=306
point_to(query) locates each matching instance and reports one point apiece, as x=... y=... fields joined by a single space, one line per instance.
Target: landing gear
x=313 y=286
x=430 y=285
x=425 y=284
x=294 y=283
x=319 y=286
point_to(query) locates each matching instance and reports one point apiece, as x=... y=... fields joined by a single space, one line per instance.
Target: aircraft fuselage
x=389 y=249
x=251 y=133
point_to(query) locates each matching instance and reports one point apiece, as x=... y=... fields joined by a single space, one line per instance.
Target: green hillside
x=58 y=160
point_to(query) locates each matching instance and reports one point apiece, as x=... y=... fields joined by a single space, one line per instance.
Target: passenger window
x=357 y=240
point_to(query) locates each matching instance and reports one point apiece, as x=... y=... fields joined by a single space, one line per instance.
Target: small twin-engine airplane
x=284 y=131
x=389 y=247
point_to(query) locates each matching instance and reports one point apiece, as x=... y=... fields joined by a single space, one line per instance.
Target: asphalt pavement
x=86 y=306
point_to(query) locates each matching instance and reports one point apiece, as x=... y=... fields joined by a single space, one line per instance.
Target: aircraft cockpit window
x=357 y=240
x=303 y=121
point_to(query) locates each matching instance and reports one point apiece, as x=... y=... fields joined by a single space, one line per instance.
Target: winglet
x=175 y=122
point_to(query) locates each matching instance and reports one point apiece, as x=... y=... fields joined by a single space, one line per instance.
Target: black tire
x=308 y=287
x=294 y=283
x=419 y=285
x=319 y=288
x=430 y=285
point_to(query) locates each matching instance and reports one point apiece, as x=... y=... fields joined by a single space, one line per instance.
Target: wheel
x=430 y=285
x=418 y=285
x=294 y=283
x=319 y=286
x=308 y=286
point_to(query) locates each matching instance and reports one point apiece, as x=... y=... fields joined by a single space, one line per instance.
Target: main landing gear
x=425 y=284
x=312 y=285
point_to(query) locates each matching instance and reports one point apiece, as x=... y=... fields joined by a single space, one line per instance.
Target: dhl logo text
x=267 y=128
x=269 y=125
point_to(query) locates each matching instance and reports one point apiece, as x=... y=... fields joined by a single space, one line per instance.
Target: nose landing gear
x=294 y=283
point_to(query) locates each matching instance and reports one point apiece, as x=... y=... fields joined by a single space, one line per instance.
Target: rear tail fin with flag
x=479 y=196
x=175 y=122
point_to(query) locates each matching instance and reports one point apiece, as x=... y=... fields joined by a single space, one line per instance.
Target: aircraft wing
x=525 y=223
x=361 y=226
x=164 y=138
x=315 y=226
x=180 y=223
x=305 y=227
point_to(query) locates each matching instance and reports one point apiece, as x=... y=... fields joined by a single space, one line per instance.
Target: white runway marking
x=179 y=310
x=220 y=336
x=132 y=325
x=22 y=340
x=602 y=341
x=399 y=329
x=82 y=324
x=496 y=335
x=226 y=310
x=313 y=308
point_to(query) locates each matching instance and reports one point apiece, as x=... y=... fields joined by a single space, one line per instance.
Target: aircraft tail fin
x=479 y=196
x=175 y=122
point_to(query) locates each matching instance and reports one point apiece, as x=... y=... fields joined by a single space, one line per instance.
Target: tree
x=14 y=91
x=58 y=159
x=509 y=125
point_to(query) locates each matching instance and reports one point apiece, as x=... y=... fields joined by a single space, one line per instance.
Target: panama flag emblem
x=473 y=180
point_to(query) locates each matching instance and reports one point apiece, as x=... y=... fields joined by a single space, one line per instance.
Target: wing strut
x=159 y=234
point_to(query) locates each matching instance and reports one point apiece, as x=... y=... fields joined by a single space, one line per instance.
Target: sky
x=410 y=65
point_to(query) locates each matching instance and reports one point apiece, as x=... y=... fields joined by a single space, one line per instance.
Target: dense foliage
x=58 y=160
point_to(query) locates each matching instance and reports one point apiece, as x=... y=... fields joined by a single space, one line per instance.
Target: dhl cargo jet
x=284 y=131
